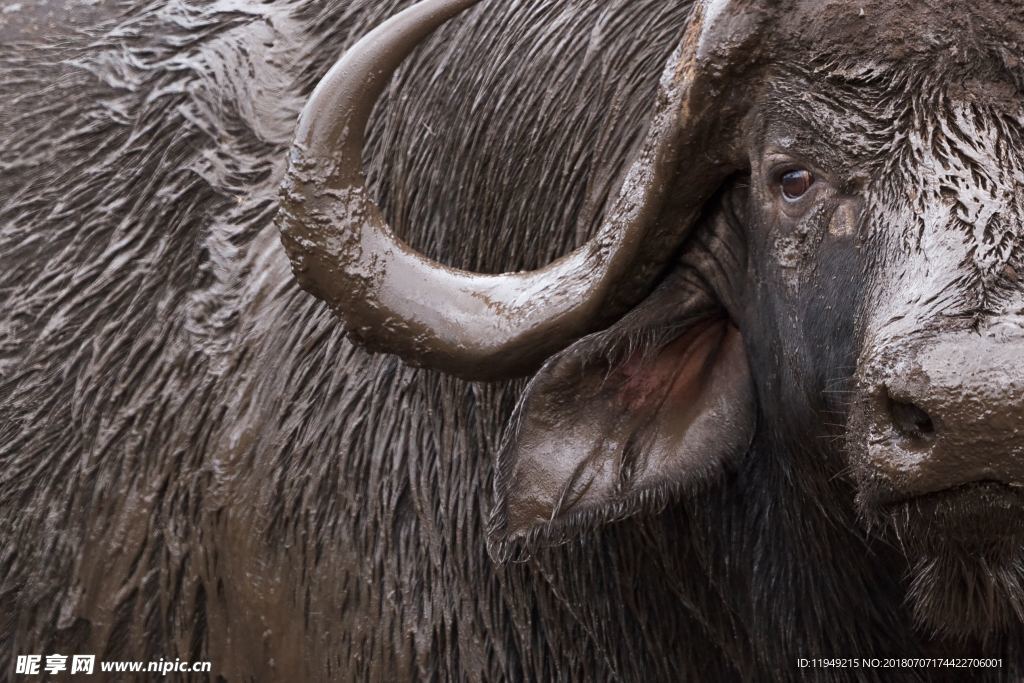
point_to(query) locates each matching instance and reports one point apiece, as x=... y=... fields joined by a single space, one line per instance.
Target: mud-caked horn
x=478 y=326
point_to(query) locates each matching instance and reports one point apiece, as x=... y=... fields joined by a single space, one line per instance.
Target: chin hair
x=967 y=594
x=965 y=561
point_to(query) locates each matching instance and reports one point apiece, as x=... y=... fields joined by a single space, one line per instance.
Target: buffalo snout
x=940 y=414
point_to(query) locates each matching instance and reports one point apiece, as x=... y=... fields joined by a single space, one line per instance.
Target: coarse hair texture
x=197 y=464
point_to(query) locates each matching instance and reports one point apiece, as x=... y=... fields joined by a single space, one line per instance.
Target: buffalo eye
x=795 y=183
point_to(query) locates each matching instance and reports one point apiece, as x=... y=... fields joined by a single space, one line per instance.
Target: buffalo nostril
x=910 y=420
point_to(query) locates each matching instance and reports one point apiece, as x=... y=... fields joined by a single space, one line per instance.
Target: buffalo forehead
x=898 y=29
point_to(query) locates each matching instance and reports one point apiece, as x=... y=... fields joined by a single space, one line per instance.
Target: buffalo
x=654 y=341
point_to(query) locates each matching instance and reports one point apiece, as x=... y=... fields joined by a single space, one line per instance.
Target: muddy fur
x=196 y=463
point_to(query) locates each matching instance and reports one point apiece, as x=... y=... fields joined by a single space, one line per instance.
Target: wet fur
x=196 y=464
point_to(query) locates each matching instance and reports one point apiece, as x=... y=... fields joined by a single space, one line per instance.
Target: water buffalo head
x=818 y=249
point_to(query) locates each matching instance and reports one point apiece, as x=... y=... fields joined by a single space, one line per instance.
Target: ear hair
x=623 y=422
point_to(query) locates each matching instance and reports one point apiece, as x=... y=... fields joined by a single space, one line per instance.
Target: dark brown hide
x=198 y=463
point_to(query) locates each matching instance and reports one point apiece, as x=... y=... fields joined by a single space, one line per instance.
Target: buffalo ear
x=623 y=422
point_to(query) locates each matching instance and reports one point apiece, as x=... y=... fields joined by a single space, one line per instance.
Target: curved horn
x=477 y=326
